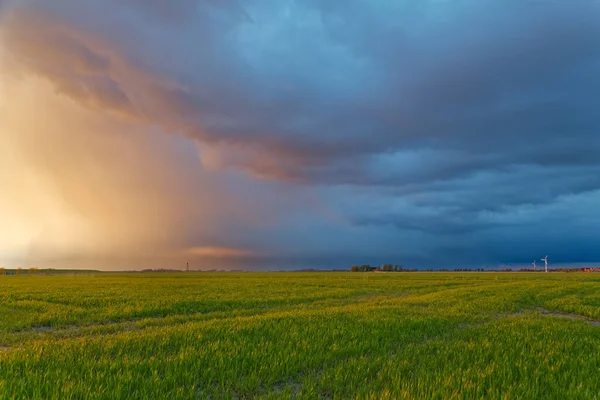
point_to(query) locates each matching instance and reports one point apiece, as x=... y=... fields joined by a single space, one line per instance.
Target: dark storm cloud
x=442 y=117
x=318 y=85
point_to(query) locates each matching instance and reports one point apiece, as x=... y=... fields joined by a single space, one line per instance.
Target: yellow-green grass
x=301 y=335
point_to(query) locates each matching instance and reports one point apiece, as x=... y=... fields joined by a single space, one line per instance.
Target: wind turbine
x=534 y=268
x=545 y=260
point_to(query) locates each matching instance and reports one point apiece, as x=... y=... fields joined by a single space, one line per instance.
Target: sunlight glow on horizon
x=86 y=185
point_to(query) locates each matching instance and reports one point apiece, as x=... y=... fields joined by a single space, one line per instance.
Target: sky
x=283 y=134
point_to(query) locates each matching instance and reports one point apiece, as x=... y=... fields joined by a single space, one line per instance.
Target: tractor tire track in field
x=573 y=317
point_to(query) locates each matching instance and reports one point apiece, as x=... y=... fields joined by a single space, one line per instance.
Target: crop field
x=300 y=335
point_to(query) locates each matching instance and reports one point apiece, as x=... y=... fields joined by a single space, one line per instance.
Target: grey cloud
x=450 y=115
x=476 y=81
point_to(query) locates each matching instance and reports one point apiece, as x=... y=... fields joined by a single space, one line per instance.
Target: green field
x=301 y=335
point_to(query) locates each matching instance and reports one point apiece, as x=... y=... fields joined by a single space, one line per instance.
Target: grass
x=300 y=335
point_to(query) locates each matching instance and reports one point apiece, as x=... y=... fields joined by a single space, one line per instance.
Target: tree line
x=20 y=271
x=400 y=268
x=384 y=268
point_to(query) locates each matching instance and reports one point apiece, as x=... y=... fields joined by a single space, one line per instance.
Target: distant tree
x=19 y=271
x=33 y=271
x=387 y=267
x=365 y=268
x=2 y=271
x=355 y=268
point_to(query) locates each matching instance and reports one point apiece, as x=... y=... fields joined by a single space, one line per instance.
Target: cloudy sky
x=281 y=134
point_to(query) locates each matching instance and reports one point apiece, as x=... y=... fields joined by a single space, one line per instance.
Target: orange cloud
x=103 y=76
x=220 y=252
